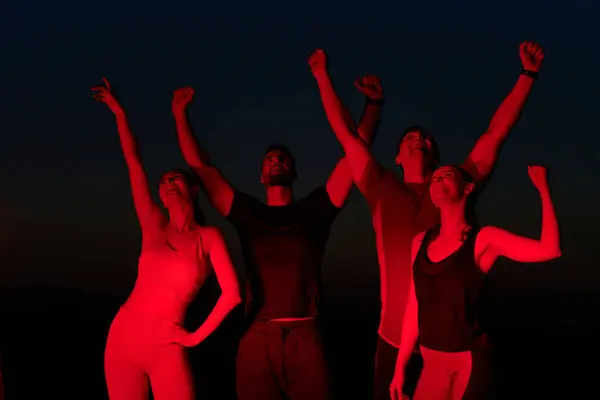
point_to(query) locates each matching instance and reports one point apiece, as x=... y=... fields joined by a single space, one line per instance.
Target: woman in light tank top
x=449 y=264
x=146 y=345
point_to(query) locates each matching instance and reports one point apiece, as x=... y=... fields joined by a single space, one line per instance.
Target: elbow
x=233 y=299
x=556 y=253
x=343 y=133
x=552 y=254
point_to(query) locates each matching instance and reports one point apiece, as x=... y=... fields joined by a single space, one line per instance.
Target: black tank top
x=449 y=295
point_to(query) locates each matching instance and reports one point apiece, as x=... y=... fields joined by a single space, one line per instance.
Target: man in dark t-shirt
x=280 y=356
x=283 y=248
x=401 y=208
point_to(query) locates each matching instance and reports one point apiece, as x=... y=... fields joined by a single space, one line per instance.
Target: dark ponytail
x=192 y=179
x=470 y=214
x=199 y=217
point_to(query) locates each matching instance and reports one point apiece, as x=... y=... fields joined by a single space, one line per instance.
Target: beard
x=283 y=179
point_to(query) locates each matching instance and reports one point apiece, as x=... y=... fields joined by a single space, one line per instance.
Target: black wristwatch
x=375 y=102
x=532 y=74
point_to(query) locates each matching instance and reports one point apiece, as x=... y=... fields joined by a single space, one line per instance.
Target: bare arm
x=501 y=243
x=371 y=87
x=482 y=159
x=149 y=214
x=230 y=291
x=410 y=327
x=217 y=189
x=340 y=181
x=355 y=147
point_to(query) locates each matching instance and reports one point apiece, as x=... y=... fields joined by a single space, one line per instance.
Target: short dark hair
x=284 y=149
x=415 y=128
x=435 y=150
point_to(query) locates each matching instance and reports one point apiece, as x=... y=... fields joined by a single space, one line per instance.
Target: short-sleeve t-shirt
x=282 y=248
x=399 y=211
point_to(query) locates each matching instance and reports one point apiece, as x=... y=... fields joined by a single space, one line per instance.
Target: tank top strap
x=471 y=237
x=427 y=238
x=466 y=253
x=430 y=235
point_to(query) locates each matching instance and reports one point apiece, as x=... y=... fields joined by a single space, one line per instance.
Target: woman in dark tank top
x=450 y=262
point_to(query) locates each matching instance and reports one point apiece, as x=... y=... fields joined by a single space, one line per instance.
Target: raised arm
x=500 y=243
x=148 y=212
x=410 y=328
x=370 y=87
x=355 y=147
x=230 y=291
x=217 y=189
x=482 y=159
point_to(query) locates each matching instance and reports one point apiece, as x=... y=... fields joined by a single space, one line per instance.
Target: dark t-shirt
x=283 y=248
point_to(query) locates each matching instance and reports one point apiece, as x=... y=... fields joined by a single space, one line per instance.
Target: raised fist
x=182 y=98
x=318 y=61
x=532 y=56
x=370 y=86
x=104 y=94
x=539 y=176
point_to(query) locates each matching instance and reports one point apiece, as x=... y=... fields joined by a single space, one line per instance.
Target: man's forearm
x=336 y=112
x=510 y=110
x=194 y=154
x=484 y=155
x=369 y=122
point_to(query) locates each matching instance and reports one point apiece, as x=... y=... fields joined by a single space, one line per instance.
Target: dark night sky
x=65 y=205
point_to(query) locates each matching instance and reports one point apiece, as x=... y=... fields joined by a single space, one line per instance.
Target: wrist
x=198 y=337
x=179 y=112
x=119 y=112
x=194 y=340
x=375 y=102
x=320 y=74
x=544 y=192
x=529 y=73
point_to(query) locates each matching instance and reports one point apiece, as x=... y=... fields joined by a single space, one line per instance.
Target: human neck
x=416 y=170
x=181 y=218
x=279 y=195
x=453 y=221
